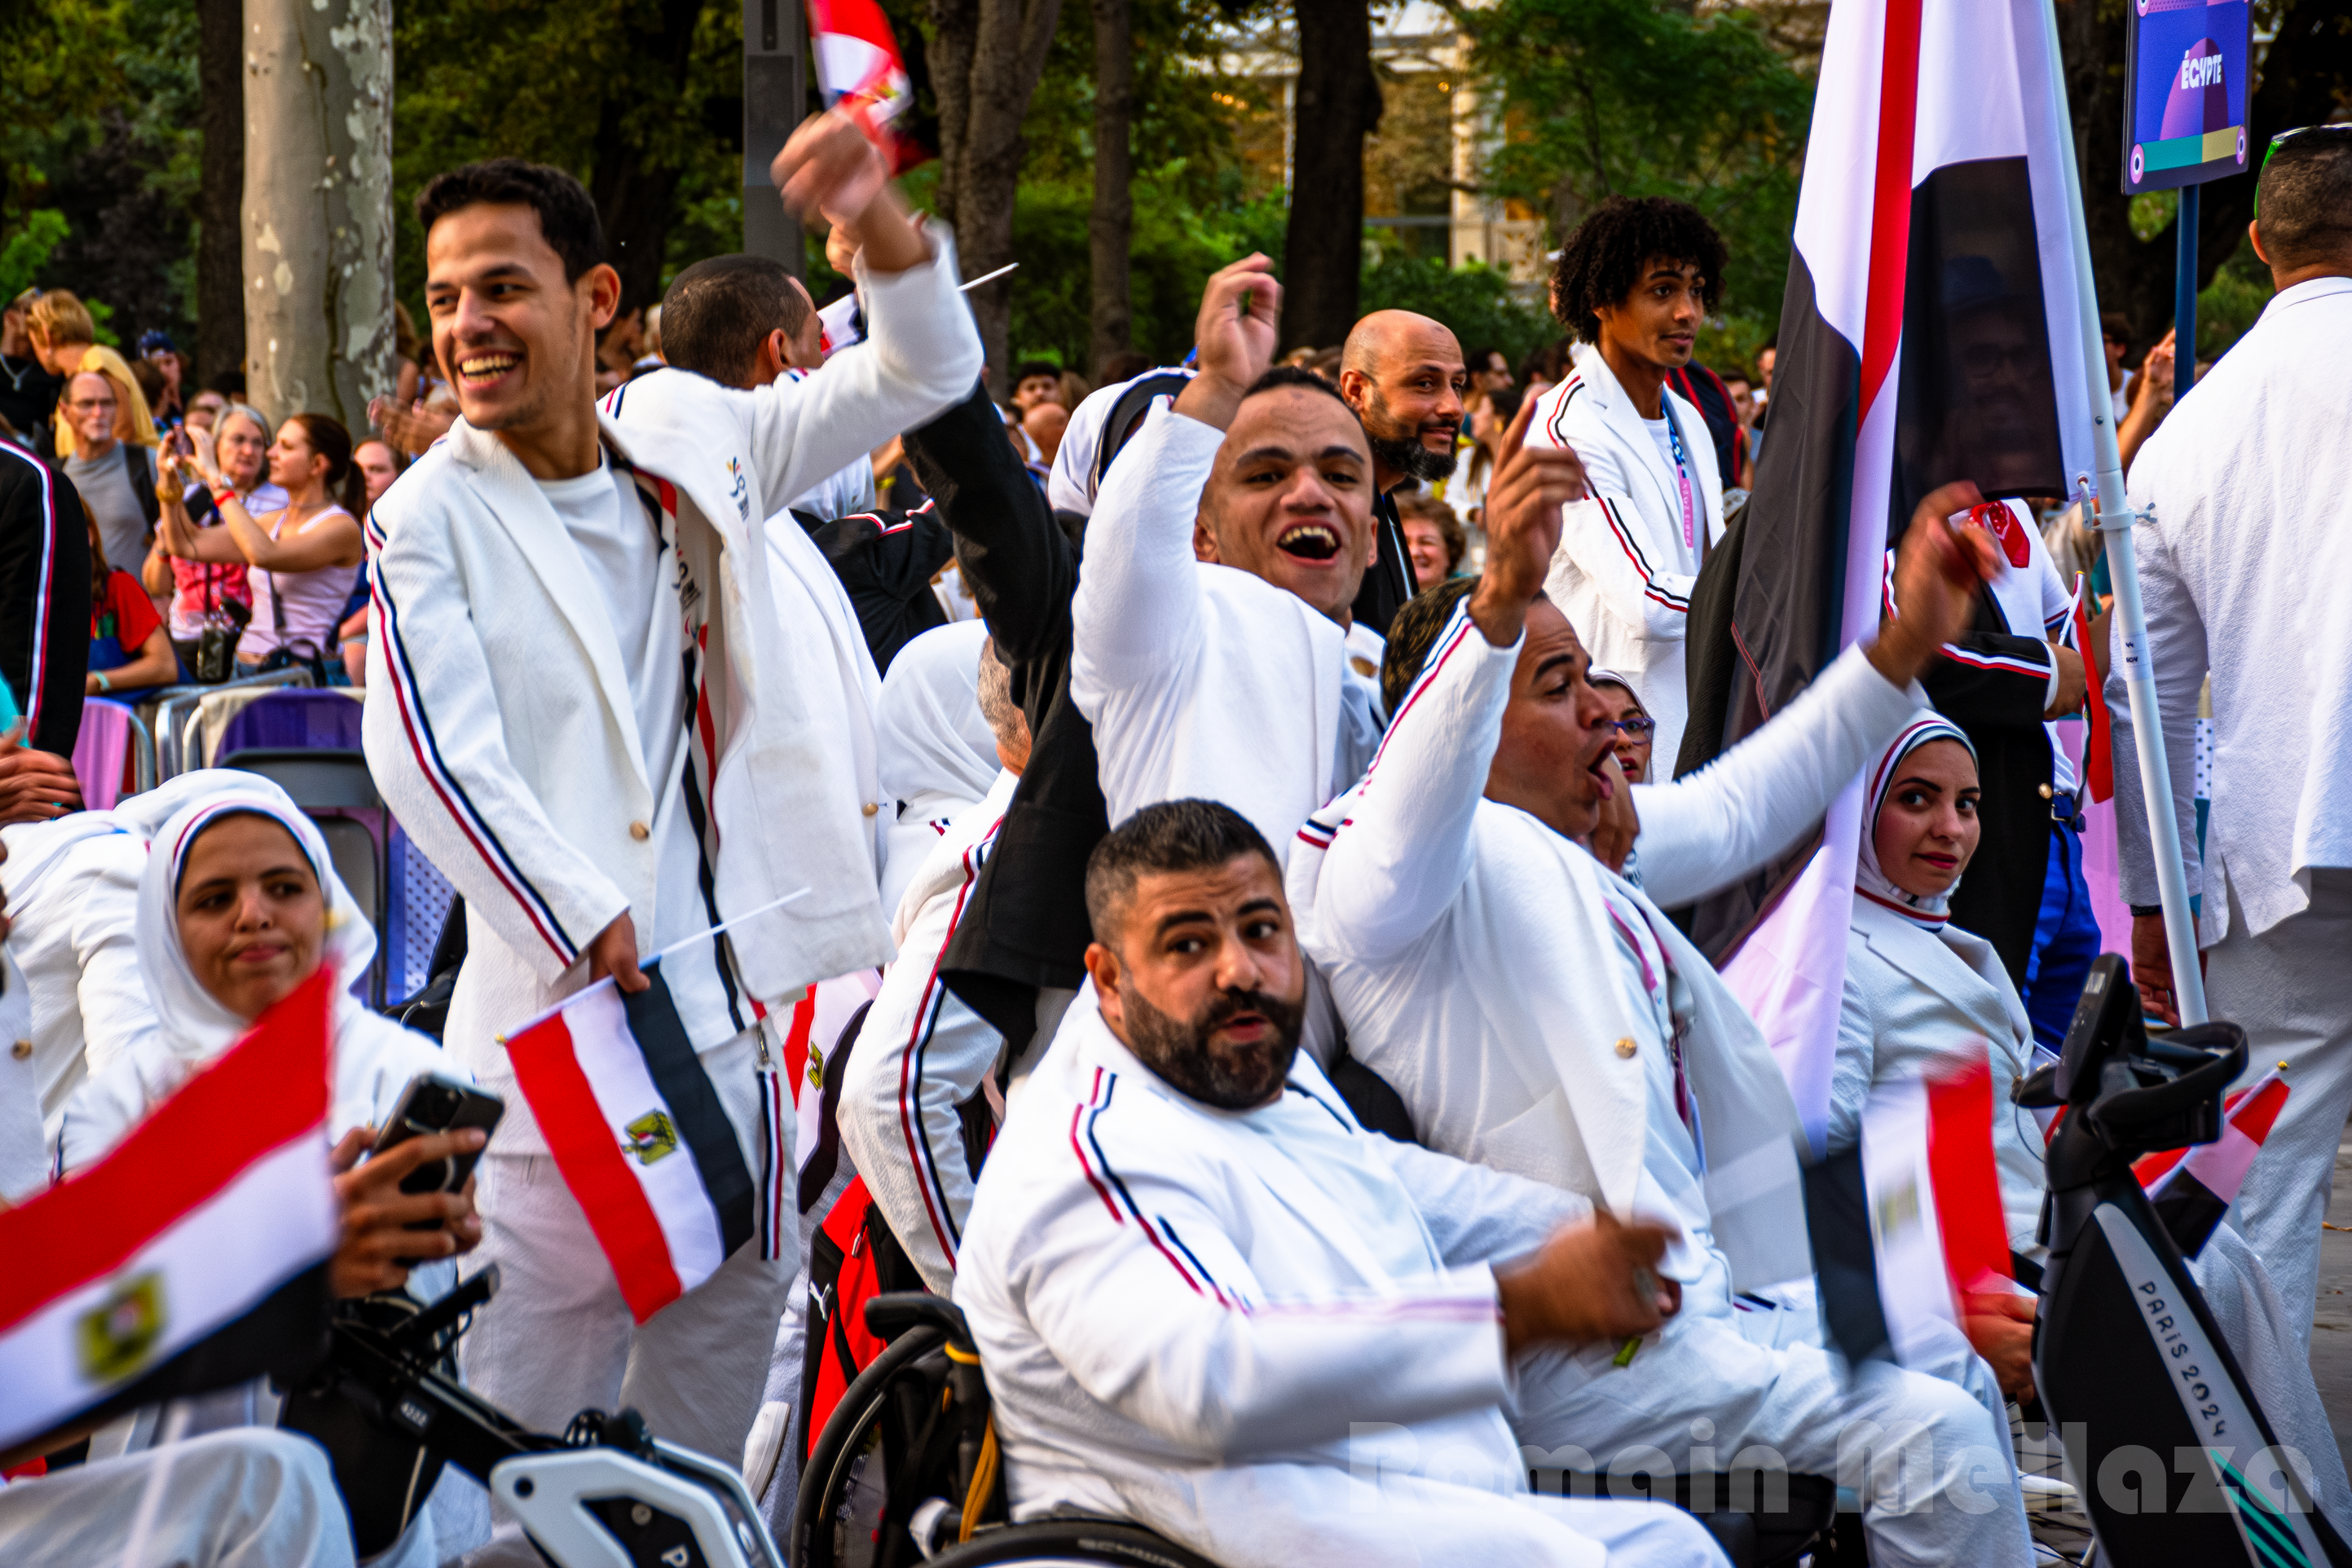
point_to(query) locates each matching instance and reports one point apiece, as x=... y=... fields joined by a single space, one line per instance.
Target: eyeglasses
x=1636 y=730
x=90 y=405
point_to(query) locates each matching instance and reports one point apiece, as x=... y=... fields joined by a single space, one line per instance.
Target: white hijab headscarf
x=1869 y=879
x=35 y=847
x=193 y=1023
x=931 y=735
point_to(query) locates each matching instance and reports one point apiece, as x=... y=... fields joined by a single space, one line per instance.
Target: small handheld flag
x=2098 y=745
x=1908 y=1225
x=193 y=1255
x=860 y=70
x=638 y=1132
x=2192 y=1188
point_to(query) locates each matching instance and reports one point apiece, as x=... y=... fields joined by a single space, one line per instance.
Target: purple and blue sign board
x=2189 y=64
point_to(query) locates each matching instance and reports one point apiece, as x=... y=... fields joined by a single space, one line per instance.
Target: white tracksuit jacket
x=1268 y=1335
x=1624 y=575
x=1203 y=680
x=921 y=1054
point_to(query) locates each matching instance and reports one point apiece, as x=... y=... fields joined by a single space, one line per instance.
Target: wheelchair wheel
x=839 y=1519
x=1067 y=1542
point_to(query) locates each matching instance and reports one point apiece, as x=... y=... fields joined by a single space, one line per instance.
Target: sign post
x=2189 y=65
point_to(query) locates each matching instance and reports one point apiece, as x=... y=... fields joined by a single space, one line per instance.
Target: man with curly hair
x=1634 y=281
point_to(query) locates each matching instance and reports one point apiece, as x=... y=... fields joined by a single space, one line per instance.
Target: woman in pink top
x=303 y=559
x=200 y=588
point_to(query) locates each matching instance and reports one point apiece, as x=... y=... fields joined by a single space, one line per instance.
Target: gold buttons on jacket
x=21 y=1049
x=640 y=832
x=2045 y=792
x=870 y=807
x=1626 y=1049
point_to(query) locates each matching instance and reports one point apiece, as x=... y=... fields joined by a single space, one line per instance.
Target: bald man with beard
x=1404 y=375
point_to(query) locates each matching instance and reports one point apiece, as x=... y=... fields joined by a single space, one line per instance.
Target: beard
x=1229 y=1077
x=1404 y=454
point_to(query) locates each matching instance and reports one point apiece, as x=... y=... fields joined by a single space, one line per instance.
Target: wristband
x=103 y=683
x=2141 y=910
x=222 y=495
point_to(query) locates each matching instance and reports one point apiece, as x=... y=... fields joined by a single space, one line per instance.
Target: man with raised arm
x=1223 y=561
x=582 y=705
x=1538 y=1013
x=1206 y=1299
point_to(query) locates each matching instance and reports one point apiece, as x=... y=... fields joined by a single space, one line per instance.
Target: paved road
x=2331 y=1336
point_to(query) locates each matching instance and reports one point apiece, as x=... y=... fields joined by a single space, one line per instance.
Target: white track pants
x=245 y=1498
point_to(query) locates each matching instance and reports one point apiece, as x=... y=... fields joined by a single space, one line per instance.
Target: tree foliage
x=1605 y=98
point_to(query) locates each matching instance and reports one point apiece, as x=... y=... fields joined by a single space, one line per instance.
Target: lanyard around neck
x=1682 y=470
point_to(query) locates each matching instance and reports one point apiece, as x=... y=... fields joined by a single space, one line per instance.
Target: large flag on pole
x=191 y=1257
x=1929 y=333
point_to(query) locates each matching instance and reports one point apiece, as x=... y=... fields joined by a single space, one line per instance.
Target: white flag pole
x=2116 y=520
x=727 y=925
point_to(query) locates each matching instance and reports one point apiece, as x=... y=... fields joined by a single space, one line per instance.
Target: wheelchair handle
x=890 y=1315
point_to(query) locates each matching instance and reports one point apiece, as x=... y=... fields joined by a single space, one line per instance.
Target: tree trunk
x=220 y=193
x=636 y=194
x=988 y=57
x=1338 y=105
x=318 y=205
x=1110 y=229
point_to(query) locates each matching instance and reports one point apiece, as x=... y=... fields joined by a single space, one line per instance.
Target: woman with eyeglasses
x=1637 y=731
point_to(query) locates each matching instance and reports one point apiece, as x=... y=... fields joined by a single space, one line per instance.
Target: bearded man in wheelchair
x=1209 y=1302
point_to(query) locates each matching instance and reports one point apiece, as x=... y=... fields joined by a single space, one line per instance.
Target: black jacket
x=1387 y=580
x=44 y=597
x=887 y=560
x=1024 y=926
x=1999 y=707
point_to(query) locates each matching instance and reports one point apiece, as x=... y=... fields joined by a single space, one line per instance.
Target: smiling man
x=584 y=708
x=1223 y=563
x=1404 y=377
x=1208 y=1301
x=1538 y=1013
x=1634 y=281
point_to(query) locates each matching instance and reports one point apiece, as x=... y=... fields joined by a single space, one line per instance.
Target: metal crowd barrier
x=169 y=708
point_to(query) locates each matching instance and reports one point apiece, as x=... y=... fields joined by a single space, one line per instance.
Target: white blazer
x=499 y=723
x=1622 y=575
x=1912 y=996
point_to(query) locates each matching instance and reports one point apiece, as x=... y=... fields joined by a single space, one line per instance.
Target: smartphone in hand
x=432 y=1103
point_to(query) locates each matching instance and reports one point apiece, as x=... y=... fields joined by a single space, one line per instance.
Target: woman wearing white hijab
x=1918 y=987
x=238 y=905
x=935 y=752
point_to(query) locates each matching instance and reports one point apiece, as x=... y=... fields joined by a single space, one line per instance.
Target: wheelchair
x=908 y=1470
x=386 y=1405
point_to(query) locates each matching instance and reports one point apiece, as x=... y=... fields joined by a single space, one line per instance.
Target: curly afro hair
x=1603 y=260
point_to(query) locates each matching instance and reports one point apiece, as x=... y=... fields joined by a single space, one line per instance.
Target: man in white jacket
x=582 y=707
x=1538 y=1014
x=1634 y=281
x=923 y=1056
x=1224 y=555
x=2241 y=567
x=1208 y=1301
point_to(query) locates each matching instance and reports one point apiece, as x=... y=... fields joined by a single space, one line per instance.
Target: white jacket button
x=21 y=1049
x=1626 y=1049
x=640 y=832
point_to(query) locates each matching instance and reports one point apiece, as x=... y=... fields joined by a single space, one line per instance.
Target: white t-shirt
x=1664 y=436
x=618 y=541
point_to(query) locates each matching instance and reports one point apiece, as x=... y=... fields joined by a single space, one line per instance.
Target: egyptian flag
x=1907 y=1224
x=640 y=1138
x=1931 y=331
x=2192 y=1188
x=857 y=66
x=194 y=1255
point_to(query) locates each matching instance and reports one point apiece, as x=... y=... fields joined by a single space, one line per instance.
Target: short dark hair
x=1414 y=632
x=2117 y=325
x=1283 y=375
x=1603 y=260
x=1030 y=367
x=567 y=217
x=2303 y=205
x=1173 y=836
x=719 y=311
